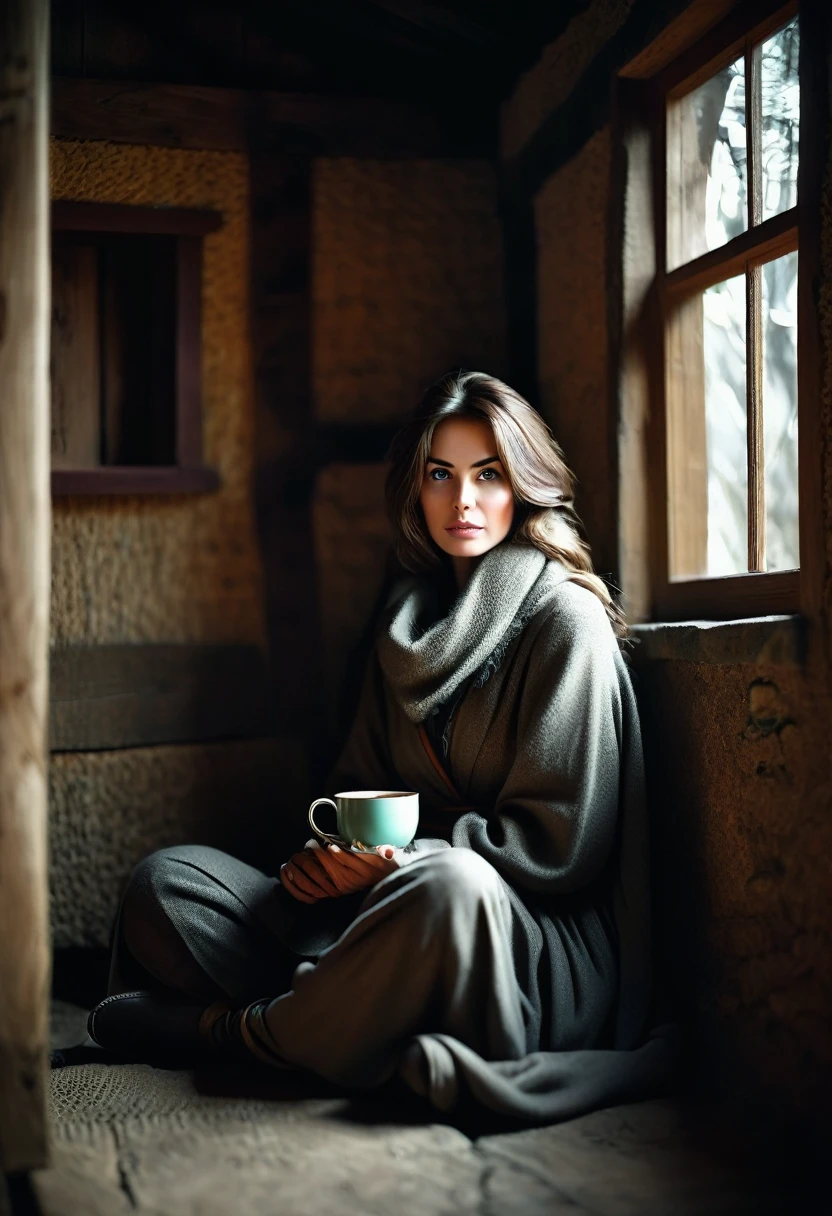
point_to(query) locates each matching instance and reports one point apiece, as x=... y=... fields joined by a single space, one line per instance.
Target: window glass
x=780 y=411
x=781 y=119
x=726 y=439
x=707 y=187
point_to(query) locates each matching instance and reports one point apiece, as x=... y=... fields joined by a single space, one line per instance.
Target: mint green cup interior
x=384 y=817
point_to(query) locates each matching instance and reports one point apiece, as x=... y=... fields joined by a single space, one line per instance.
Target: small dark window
x=125 y=356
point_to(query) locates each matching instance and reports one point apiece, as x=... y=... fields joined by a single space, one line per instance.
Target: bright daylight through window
x=732 y=158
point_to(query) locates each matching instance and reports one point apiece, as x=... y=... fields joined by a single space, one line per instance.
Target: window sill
x=128 y=479
x=776 y=640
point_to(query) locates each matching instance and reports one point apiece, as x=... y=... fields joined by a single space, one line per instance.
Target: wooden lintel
x=119 y=217
x=134 y=479
x=190 y=116
x=141 y=695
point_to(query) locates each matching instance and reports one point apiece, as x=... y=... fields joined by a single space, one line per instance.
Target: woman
x=504 y=955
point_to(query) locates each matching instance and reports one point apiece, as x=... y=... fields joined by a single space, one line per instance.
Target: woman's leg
x=199 y=922
x=430 y=951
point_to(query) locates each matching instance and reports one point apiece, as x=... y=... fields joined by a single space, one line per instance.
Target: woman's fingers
x=344 y=862
x=353 y=872
x=331 y=863
x=297 y=894
x=330 y=870
x=298 y=871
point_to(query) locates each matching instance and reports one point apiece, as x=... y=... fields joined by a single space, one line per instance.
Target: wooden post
x=25 y=521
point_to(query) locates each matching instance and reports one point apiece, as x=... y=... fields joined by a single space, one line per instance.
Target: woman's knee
x=149 y=881
x=456 y=876
x=155 y=883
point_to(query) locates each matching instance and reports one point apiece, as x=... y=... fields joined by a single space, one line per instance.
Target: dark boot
x=145 y=1026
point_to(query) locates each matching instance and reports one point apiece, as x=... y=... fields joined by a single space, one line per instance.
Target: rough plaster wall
x=560 y=66
x=352 y=540
x=571 y=222
x=108 y=809
x=179 y=568
x=741 y=785
x=407 y=281
x=133 y=569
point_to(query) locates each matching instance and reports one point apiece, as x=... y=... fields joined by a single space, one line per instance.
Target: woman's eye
x=492 y=474
x=439 y=474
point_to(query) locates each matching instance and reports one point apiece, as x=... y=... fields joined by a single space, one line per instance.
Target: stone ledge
x=775 y=640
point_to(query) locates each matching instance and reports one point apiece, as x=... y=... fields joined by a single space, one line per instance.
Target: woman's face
x=466 y=494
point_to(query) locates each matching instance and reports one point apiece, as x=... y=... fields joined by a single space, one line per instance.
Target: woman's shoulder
x=571 y=615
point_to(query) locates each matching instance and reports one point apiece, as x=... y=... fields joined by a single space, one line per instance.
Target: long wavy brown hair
x=543 y=486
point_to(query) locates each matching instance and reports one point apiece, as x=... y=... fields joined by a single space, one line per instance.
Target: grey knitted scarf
x=425 y=659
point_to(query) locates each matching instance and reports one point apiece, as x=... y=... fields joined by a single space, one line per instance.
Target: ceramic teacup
x=366 y=818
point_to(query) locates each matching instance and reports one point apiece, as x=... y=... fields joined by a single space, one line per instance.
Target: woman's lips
x=464 y=530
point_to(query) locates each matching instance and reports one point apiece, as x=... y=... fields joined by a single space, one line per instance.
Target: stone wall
x=738 y=754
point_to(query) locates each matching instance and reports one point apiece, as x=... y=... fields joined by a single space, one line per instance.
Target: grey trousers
x=351 y=980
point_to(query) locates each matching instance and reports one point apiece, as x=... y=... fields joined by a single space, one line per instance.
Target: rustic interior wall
x=407 y=281
x=738 y=756
x=741 y=792
x=352 y=541
x=108 y=809
x=406 y=285
x=571 y=220
x=164 y=569
x=178 y=568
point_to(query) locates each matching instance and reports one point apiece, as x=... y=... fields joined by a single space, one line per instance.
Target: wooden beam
x=189 y=116
x=734 y=596
x=816 y=126
x=133 y=479
x=519 y=239
x=631 y=270
x=118 y=217
x=771 y=239
x=751 y=21
x=24 y=580
x=586 y=108
x=142 y=695
x=691 y=25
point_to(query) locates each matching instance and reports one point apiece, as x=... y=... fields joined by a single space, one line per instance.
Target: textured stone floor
x=132 y=1138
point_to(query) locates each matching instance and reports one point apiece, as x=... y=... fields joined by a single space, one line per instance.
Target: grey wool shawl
x=546 y=746
x=425 y=661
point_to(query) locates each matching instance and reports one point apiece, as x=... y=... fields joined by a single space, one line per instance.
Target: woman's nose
x=465 y=497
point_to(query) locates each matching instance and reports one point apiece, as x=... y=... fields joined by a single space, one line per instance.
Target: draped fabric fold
x=544 y=1086
x=424 y=659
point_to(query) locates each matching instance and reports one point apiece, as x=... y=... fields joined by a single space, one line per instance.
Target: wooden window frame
x=650 y=291
x=189 y=226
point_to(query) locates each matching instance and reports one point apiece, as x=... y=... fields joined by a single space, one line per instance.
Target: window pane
x=723 y=308
x=780 y=411
x=707 y=194
x=707 y=439
x=781 y=120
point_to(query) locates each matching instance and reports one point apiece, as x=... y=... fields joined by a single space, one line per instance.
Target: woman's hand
x=327 y=871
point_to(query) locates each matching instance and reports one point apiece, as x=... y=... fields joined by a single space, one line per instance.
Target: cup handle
x=323 y=835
